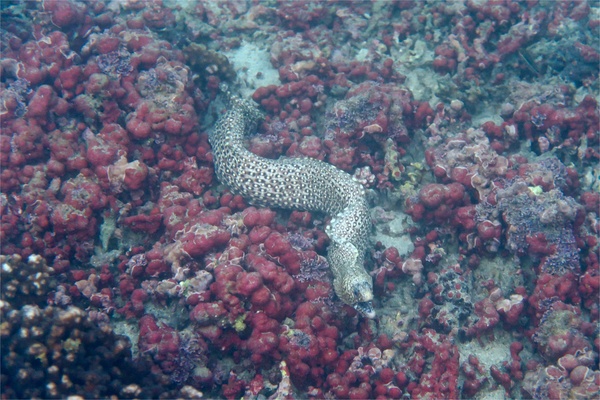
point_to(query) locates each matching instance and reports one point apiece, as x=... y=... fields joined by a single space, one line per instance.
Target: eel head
x=357 y=291
x=352 y=284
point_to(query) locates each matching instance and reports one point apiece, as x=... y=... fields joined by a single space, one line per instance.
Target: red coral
x=208 y=313
x=488 y=230
x=81 y=193
x=465 y=217
x=144 y=223
x=591 y=201
x=202 y=238
x=40 y=103
x=487 y=318
x=538 y=244
x=64 y=12
x=68 y=220
x=248 y=282
x=432 y=195
x=501 y=378
x=441 y=380
x=162 y=343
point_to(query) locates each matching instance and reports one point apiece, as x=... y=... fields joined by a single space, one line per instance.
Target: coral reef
x=472 y=125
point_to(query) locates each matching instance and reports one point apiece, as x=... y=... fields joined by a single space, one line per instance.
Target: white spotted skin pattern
x=305 y=184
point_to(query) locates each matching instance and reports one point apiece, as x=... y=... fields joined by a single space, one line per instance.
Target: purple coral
x=313 y=269
x=191 y=355
x=300 y=241
x=115 y=63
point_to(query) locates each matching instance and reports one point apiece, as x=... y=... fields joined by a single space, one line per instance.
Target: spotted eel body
x=300 y=183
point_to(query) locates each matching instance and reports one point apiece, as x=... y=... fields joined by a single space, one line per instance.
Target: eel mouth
x=365 y=308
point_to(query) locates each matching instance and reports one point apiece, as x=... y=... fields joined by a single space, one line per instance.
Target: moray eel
x=304 y=184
